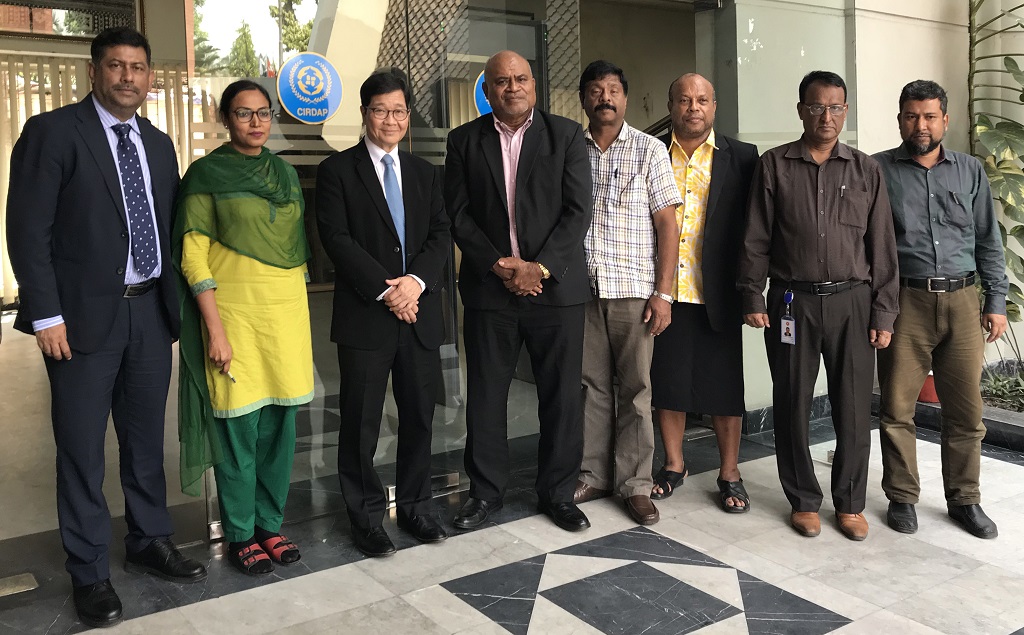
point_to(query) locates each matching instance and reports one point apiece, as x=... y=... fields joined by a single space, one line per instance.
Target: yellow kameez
x=265 y=314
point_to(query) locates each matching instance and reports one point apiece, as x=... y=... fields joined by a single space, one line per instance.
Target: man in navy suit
x=89 y=214
x=381 y=218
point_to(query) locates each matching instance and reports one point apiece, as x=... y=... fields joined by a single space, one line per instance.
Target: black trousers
x=128 y=377
x=835 y=328
x=364 y=382
x=554 y=338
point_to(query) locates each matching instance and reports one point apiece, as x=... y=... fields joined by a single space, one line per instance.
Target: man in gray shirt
x=947 y=237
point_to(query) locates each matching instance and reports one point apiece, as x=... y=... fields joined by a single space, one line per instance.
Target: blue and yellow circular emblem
x=482 y=105
x=309 y=88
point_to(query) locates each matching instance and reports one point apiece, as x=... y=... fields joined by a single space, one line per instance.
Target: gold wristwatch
x=544 y=273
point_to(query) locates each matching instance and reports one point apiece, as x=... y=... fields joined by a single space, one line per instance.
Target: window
x=66 y=18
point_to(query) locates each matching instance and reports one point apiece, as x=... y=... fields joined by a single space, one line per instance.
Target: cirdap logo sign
x=309 y=88
x=482 y=105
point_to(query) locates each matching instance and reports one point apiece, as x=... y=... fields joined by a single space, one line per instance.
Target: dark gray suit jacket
x=553 y=208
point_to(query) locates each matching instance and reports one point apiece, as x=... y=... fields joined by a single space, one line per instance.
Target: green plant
x=1002 y=386
x=998 y=140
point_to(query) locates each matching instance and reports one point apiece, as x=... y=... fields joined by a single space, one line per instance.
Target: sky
x=222 y=19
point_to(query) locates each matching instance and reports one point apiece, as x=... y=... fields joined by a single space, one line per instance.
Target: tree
x=242 y=60
x=207 y=57
x=75 y=23
x=294 y=35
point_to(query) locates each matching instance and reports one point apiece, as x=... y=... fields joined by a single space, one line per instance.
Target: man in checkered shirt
x=632 y=253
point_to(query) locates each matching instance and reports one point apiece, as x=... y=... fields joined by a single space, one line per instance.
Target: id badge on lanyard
x=788 y=326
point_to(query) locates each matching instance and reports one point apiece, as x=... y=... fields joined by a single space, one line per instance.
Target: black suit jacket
x=732 y=169
x=553 y=208
x=359 y=235
x=67 y=228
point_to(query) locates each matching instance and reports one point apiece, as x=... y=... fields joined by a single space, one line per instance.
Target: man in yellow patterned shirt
x=698 y=360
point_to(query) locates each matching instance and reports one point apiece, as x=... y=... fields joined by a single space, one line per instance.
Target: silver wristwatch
x=664 y=296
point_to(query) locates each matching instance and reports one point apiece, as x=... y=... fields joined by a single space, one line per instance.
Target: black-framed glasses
x=245 y=114
x=400 y=114
x=818 y=110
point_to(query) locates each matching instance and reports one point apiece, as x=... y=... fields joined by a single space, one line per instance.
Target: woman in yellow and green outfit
x=246 y=351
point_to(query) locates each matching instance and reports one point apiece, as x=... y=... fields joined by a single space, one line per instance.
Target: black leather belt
x=938 y=285
x=135 y=290
x=822 y=288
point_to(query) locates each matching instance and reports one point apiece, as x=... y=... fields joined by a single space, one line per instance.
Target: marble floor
x=697 y=571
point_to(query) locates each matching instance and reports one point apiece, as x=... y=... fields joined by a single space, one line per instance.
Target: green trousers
x=253 y=477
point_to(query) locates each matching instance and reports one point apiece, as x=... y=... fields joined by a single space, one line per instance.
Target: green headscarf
x=270 y=230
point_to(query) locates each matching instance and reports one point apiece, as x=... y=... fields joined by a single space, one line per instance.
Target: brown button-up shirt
x=820 y=223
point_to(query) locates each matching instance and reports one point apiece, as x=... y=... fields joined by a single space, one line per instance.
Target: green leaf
x=1014 y=263
x=1012 y=66
x=1015 y=294
x=1005 y=135
x=1007 y=181
x=1013 y=311
x=1017 y=231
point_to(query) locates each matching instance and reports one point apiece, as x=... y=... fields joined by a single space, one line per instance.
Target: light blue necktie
x=140 y=219
x=396 y=206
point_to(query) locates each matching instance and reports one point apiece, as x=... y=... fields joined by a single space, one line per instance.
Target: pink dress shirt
x=511 y=147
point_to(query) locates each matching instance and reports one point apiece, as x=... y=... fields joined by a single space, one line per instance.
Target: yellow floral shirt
x=693 y=178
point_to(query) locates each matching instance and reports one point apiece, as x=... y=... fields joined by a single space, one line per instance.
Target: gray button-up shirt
x=945 y=222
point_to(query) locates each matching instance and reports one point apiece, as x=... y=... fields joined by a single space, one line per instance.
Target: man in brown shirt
x=819 y=225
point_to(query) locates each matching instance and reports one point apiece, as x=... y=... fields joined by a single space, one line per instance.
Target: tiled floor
x=697 y=571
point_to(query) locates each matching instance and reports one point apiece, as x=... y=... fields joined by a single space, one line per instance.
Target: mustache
x=604 y=107
x=130 y=87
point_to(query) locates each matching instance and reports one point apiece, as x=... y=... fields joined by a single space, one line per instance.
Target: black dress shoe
x=373 y=542
x=973 y=520
x=162 y=559
x=97 y=604
x=474 y=513
x=422 y=527
x=566 y=515
x=901 y=517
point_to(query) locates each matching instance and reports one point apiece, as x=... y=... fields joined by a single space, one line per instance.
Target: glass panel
x=69 y=18
x=441 y=47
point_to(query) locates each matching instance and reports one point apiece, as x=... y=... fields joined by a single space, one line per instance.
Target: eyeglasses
x=245 y=114
x=818 y=110
x=400 y=114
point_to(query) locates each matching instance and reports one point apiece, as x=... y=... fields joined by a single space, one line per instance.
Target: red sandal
x=281 y=550
x=251 y=560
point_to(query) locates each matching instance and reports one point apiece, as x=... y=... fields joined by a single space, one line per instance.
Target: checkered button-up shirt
x=633 y=179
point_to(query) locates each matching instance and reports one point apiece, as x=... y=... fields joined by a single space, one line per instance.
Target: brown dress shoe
x=806 y=523
x=586 y=493
x=642 y=510
x=853 y=526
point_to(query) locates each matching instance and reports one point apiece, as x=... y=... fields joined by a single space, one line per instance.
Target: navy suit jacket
x=66 y=223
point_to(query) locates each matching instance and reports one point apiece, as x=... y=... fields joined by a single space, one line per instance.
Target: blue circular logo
x=482 y=105
x=309 y=88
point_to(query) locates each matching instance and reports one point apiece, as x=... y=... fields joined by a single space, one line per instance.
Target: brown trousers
x=939 y=332
x=618 y=437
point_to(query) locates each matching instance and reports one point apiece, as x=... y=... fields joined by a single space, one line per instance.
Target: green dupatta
x=267 y=227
